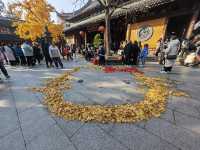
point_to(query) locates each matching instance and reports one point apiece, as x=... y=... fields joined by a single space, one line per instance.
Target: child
x=54 y=53
x=2 y=67
x=144 y=53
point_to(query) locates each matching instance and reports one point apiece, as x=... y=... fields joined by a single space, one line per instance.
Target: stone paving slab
x=137 y=138
x=91 y=137
x=52 y=139
x=13 y=141
x=25 y=123
x=185 y=105
x=37 y=129
x=8 y=117
x=184 y=139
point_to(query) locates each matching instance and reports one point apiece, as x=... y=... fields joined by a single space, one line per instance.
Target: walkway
x=26 y=125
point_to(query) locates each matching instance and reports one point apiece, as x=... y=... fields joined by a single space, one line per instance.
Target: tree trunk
x=107 y=32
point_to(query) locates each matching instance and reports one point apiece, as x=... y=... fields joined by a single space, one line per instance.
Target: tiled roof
x=138 y=6
x=91 y=5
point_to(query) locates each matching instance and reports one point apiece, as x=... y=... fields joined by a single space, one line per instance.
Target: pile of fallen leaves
x=153 y=105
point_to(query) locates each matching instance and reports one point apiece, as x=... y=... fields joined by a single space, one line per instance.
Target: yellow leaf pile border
x=153 y=105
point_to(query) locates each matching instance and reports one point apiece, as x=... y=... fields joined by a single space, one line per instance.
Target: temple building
x=143 y=20
x=7 y=32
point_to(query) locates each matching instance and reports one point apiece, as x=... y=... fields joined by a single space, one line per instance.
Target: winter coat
x=101 y=51
x=36 y=52
x=172 y=50
x=54 y=52
x=144 y=53
x=27 y=50
x=9 y=53
x=18 y=51
x=128 y=48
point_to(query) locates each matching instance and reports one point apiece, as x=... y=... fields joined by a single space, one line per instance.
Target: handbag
x=171 y=57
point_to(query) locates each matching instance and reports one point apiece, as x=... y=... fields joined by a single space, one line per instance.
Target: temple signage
x=145 y=33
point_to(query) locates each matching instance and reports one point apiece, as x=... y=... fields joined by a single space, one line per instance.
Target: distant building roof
x=7 y=32
x=91 y=5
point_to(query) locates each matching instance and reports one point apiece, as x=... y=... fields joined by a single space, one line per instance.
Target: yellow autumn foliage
x=32 y=17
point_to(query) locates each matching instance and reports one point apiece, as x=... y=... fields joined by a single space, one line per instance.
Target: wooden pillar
x=165 y=28
x=128 y=33
x=192 y=22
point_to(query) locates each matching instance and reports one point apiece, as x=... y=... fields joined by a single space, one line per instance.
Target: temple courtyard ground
x=26 y=124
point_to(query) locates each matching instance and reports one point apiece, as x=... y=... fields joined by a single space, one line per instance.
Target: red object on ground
x=95 y=61
x=111 y=69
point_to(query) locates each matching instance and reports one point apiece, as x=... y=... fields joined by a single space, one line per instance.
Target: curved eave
x=91 y=5
x=140 y=6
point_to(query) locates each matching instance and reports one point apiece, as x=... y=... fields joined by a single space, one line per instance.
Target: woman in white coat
x=171 y=53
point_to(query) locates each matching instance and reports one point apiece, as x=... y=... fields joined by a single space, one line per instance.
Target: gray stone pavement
x=25 y=124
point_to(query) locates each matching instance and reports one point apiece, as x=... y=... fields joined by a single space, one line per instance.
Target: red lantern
x=82 y=33
x=101 y=29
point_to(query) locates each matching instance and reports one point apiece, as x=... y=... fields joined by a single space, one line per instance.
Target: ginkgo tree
x=32 y=16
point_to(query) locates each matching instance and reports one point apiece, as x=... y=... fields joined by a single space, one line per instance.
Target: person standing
x=2 y=67
x=28 y=53
x=10 y=55
x=127 y=52
x=160 y=50
x=45 y=50
x=19 y=54
x=54 y=53
x=135 y=53
x=144 y=53
x=67 y=52
x=36 y=53
x=171 y=53
x=101 y=54
x=73 y=47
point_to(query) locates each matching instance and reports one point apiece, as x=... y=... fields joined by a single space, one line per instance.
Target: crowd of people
x=135 y=54
x=32 y=53
x=131 y=54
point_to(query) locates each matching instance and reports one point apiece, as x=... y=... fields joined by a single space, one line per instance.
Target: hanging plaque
x=144 y=33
